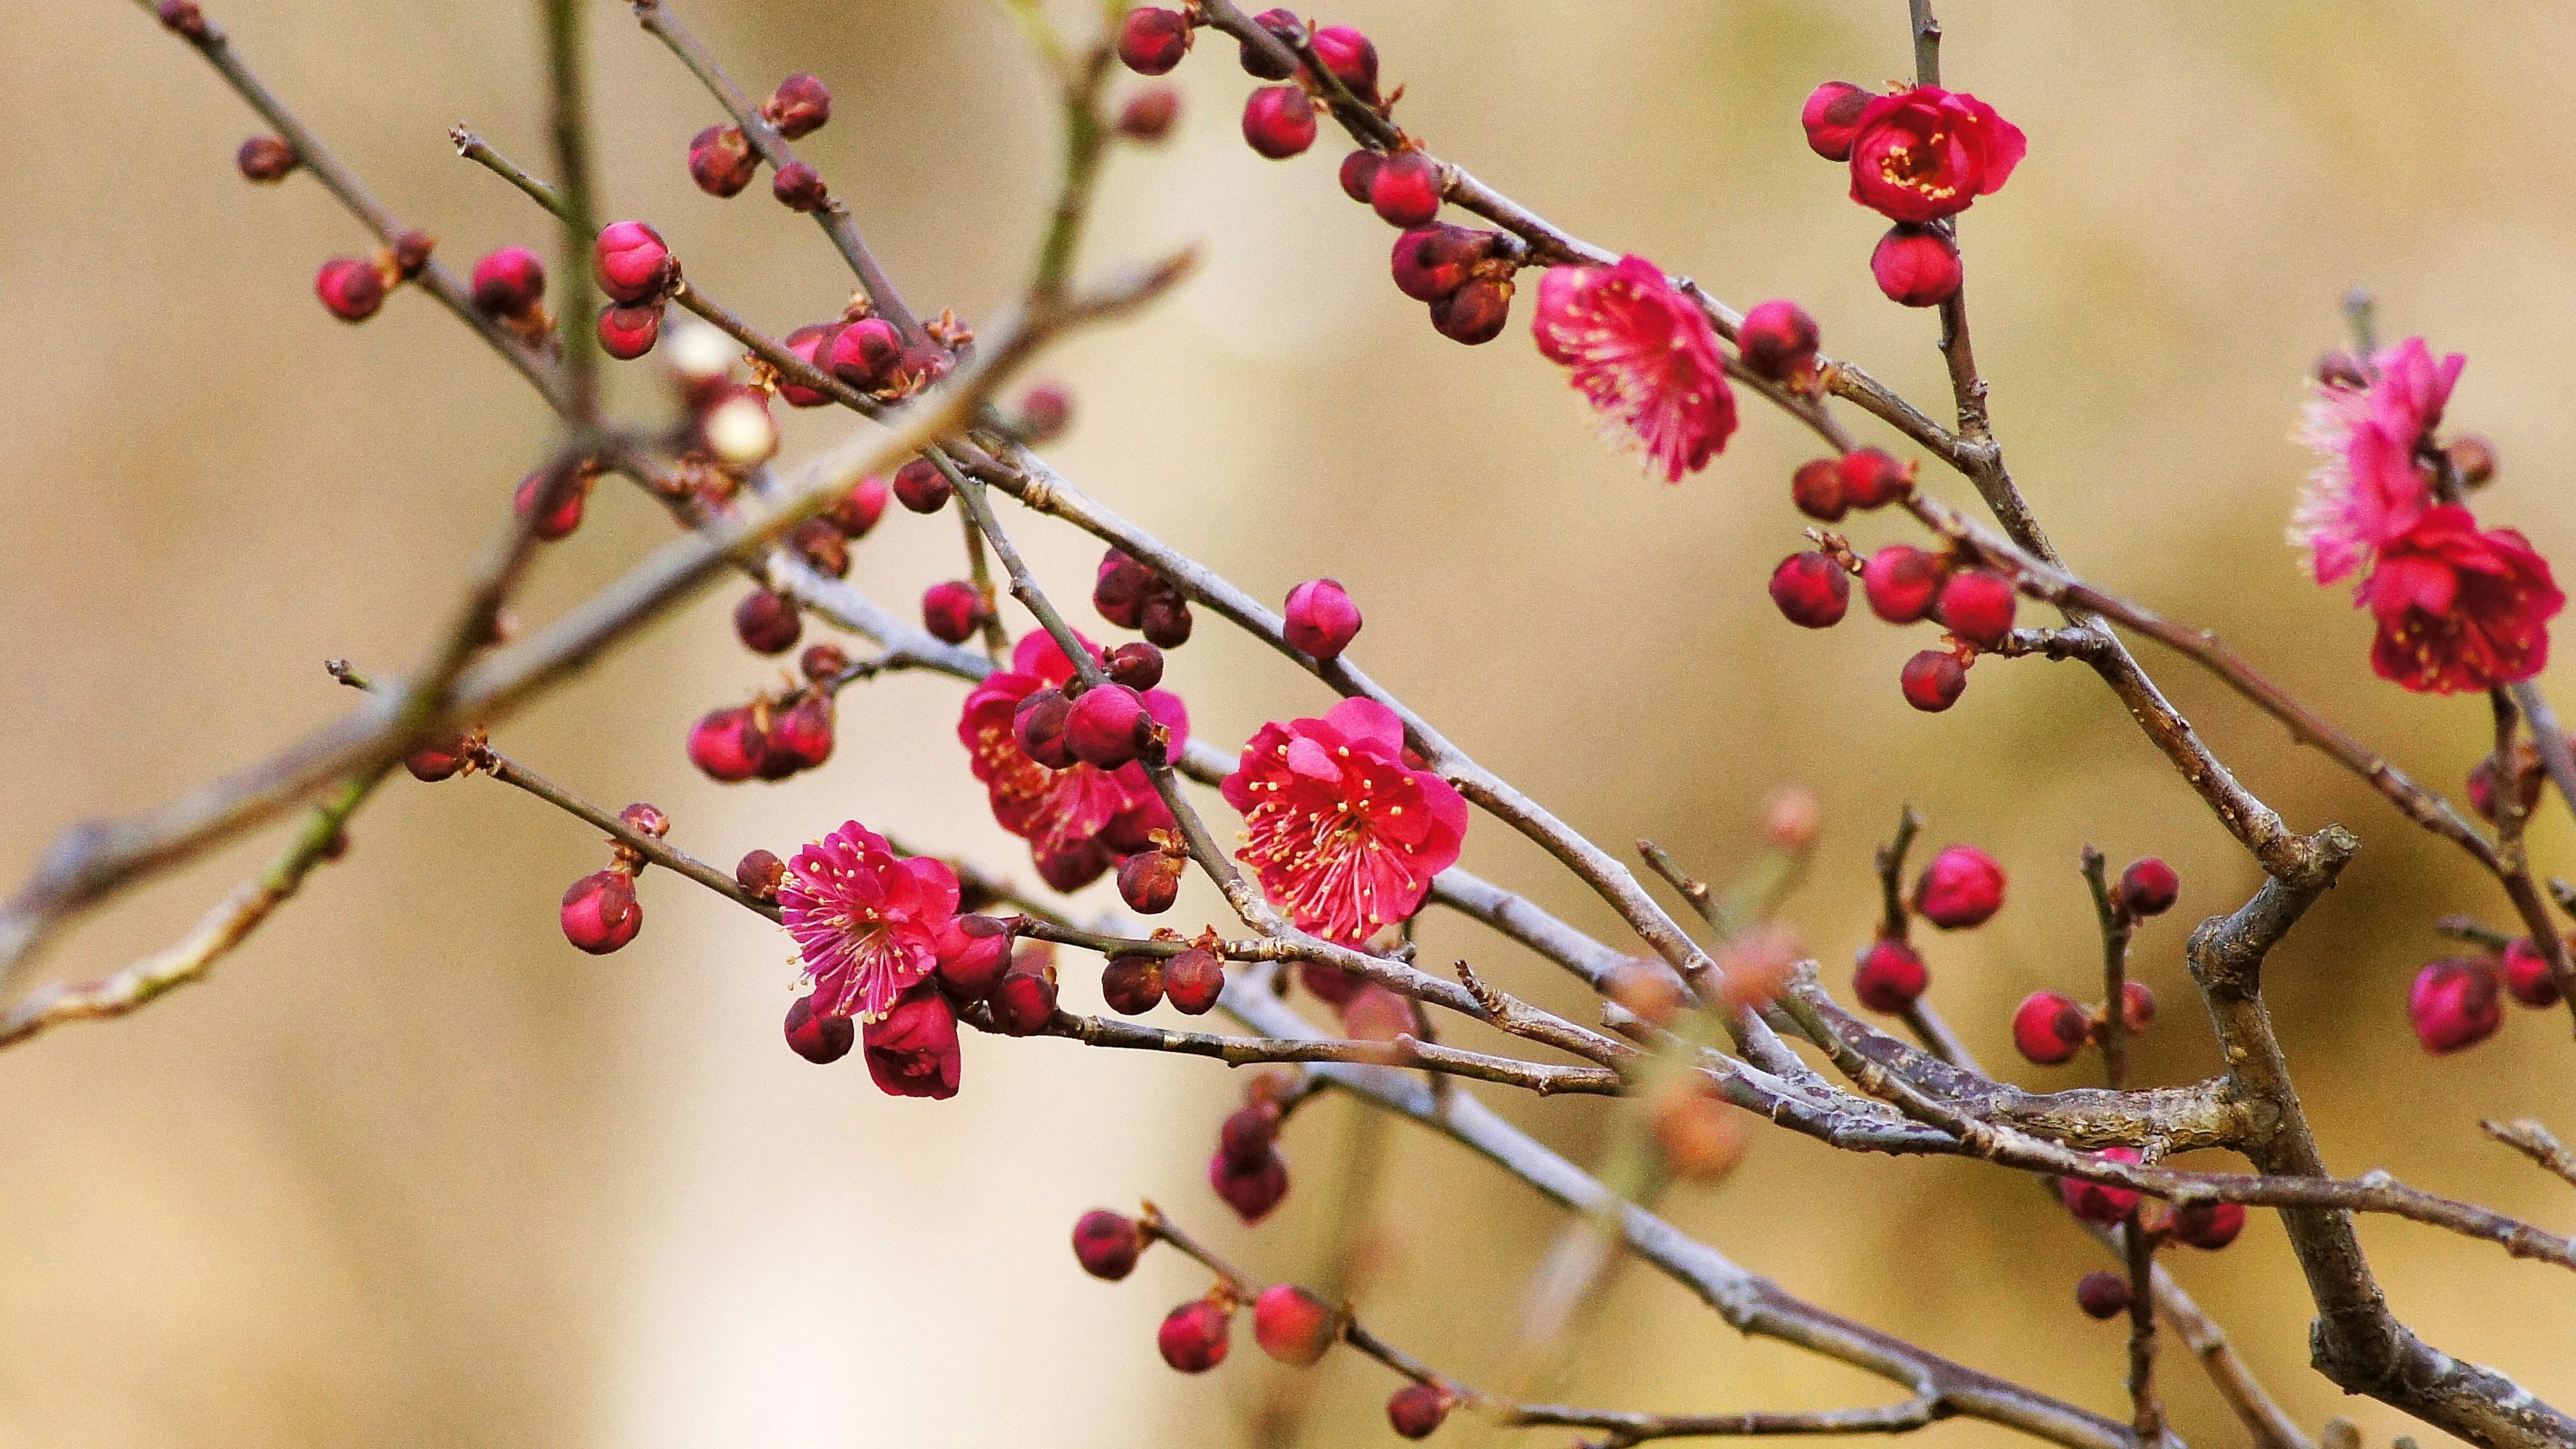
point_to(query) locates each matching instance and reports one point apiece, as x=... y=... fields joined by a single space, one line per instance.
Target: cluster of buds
x=868 y=354
x=767 y=739
x=2208 y=1226
x=637 y=272
x=1247 y=1170
x=1132 y=596
x=1917 y=157
x=722 y=160
x=353 y=289
x=1464 y=275
x=600 y=913
x=1960 y=889
x=1191 y=979
x=2458 y=1002
x=2050 y=1028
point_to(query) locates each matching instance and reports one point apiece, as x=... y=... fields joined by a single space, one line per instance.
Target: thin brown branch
x=1405 y=1051
x=2526 y=1136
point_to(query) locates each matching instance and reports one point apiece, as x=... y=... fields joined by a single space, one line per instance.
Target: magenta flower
x=1078 y=821
x=914 y=1052
x=1643 y=355
x=2367 y=487
x=2459 y=609
x=867 y=921
x=1345 y=835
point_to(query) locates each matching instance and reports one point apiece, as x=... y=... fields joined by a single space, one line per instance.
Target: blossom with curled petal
x=867 y=921
x=2368 y=486
x=2459 y=609
x=1344 y=834
x=1078 y=821
x=1643 y=355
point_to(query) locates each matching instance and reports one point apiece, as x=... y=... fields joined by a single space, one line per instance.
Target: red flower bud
x=1252 y=1191
x=2453 y=1005
x=1118 y=590
x=821 y=545
x=1107 y=726
x=1778 y=341
x=1042 y=413
x=799 y=106
x=1359 y=173
x=823 y=664
x=952 y=611
x=2526 y=974
x=759 y=872
x=974 y=955
x=1193 y=1336
x=1149 y=881
x=728 y=745
x=1193 y=980
x=1962 y=887
x=645 y=818
x=912 y=1051
x=1152 y=40
x=809 y=343
x=1932 y=680
x=2148 y=887
x=2048 y=1028
x=350 y=288
x=564 y=514
x=1279 y=122
x=921 y=487
x=799 y=188
x=627 y=333
x=182 y=17
x=1351 y=57
x=1293 y=1325
x=1331 y=984
x=766 y=623
x=438 y=759
x=508 y=282
x=631 y=262
x=1872 y=479
x=1817 y=489
x=857 y=511
x=1150 y=114
x=1249 y=1134
x=2098 y=1203
x=1916 y=266
x=2209 y=1225
x=1831 y=115
x=799 y=738
x=1023 y=1003
x=2137 y=1005
x=2102 y=1295
x=264 y=159
x=1165 y=618
x=819 y=1039
x=1256 y=62
x=1430 y=262
x=1977 y=606
x=926 y=364
x=600 y=913
x=1811 y=589
x=1901 y=582
x=1416 y=1409
x=1406 y=189
x=1476 y=312
x=1132 y=985
x=865 y=353
x=1106 y=1244
x=1890 y=976
x=721 y=161
x=1037 y=723
x=1321 y=618
x=1137 y=665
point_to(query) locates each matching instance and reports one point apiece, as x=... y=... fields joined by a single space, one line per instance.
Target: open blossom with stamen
x=1644 y=356
x=1926 y=153
x=867 y=921
x=1344 y=834
x=2367 y=487
x=1078 y=821
x=2459 y=609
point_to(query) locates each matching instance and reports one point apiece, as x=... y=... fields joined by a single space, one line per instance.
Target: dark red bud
x=1149 y=881
x=1165 y=619
x=800 y=738
x=411 y=253
x=1916 y=266
x=1477 y=312
x=1249 y=1134
x=438 y=759
x=721 y=161
x=1778 y=341
x=2102 y=1295
x=823 y=664
x=819 y=1039
x=1118 y=590
x=1152 y=40
x=2149 y=887
x=767 y=623
x=350 y=288
x=798 y=187
x=627 y=333
x=264 y=159
x=866 y=353
x=1150 y=114
x=856 y=512
x=1038 y=725
x=2137 y=1005
x=759 y=872
x=1256 y=61
x=1106 y=1244
x=1137 y=665
x=1406 y=189
x=799 y=107
x=2099 y=1203
x=1193 y=980
x=1132 y=985
x=1351 y=57
x=1890 y=977
x=921 y=487
x=952 y=611
x=645 y=818
x=1279 y=122
x=1359 y=173
x=809 y=343
x=1817 y=489
x=508 y=282
x=1430 y=262
x=1042 y=413
x=1872 y=479
x=1901 y=581
x=1932 y=680
x=820 y=544
x=974 y=955
x=1193 y=1336
x=2526 y=974
x=1023 y=1003
x=728 y=745
x=2209 y=1225
x=1252 y=1191
x=1107 y=726
x=1811 y=590
x=563 y=513
x=182 y=17
x=1830 y=116
x=1415 y=1410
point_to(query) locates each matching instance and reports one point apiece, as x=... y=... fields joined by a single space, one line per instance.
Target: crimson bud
x=1977 y=606
x=1283 y=24
x=1149 y=114
x=2148 y=887
x=1321 y=618
x=350 y=288
x=1252 y=1191
x=1038 y=725
x=974 y=955
x=1107 y=726
x=1248 y=1135
x=1149 y=881
x=728 y=745
x=1293 y=1325
x=2048 y=1028
x=823 y=664
x=508 y=282
x=819 y=1039
x=1359 y=172
x=1430 y=262
x=1811 y=589
x=1152 y=40
x=798 y=187
x=411 y=252
x=2098 y=1203
x=600 y=913
x=627 y=333
x=800 y=738
x=264 y=159
x=1872 y=479
x=2453 y=1005
x=2102 y=1295
x=1831 y=116
x=1137 y=665
x=721 y=161
x=952 y=611
x=1932 y=680
x=799 y=106
x=1417 y=1409
x=2526 y=974
x=2137 y=1005
x=1962 y=887
x=1279 y=122
x=1916 y=266
x=865 y=353
x=1901 y=582
x=1351 y=57
x=766 y=623
x=559 y=520
x=856 y=512
x=1817 y=489
x=1193 y=980
x=1118 y=590
x=631 y=262
x=438 y=759
x=1890 y=976
x=1106 y=1244
x=1023 y=1003
x=921 y=487
x=820 y=544
x=1042 y=414
x=808 y=343
x=2209 y=1225
x=1193 y=1336
x=1778 y=341
x=1165 y=618
x=1406 y=189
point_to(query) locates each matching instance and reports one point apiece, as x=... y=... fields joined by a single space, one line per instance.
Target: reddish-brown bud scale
x=1831 y=116
x=509 y=282
x=2208 y=1225
x=1406 y=189
x=1416 y=1410
x=562 y=515
x=1137 y=665
x=2102 y=1295
x=2473 y=458
x=1193 y=980
x=865 y=353
x=856 y=512
x=1279 y=122
x=1932 y=680
x=799 y=107
x=1193 y=1336
x=759 y=872
x=1901 y=581
x=1977 y=606
x=921 y=487
x=799 y=187
x=817 y=1038
x=1320 y=620
x=600 y=913
x=1107 y=1244
x=1149 y=115
x=1107 y=726
x=627 y=333
x=1132 y=985
x=1872 y=479
x=1430 y=262
x=1038 y=726
x=1258 y=62
x=350 y=288
x=1778 y=341
x=2099 y=1203
x=410 y=253
x=766 y=623
x=1916 y=266
x=264 y=159
x=1149 y=881
x=1293 y=1325
x=952 y=611
x=728 y=745
x=2149 y=887
x=182 y=17
x=1817 y=490
x=1252 y=1191
x=1811 y=590
x=1165 y=618
x=631 y=262
x=823 y=664
x=800 y=738
x=1152 y=40
x=822 y=545
x=1351 y=57
x=2454 y=1005
x=1962 y=887
x=1890 y=976
x=2526 y=974
x=2048 y=1028
x=1359 y=173
x=721 y=161
x=1023 y=1003
x=1475 y=313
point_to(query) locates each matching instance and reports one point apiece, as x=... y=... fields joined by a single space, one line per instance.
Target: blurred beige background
x=411 y=1171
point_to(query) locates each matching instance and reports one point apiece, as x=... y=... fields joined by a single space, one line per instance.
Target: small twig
x=2113 y=916
x=2526 y=1136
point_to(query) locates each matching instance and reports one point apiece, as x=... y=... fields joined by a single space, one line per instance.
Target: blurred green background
x=410 y=1170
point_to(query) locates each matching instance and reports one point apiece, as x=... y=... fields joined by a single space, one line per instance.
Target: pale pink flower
x=2367 y=488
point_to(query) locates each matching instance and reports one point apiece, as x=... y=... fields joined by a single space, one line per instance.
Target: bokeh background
x=410 y=1170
